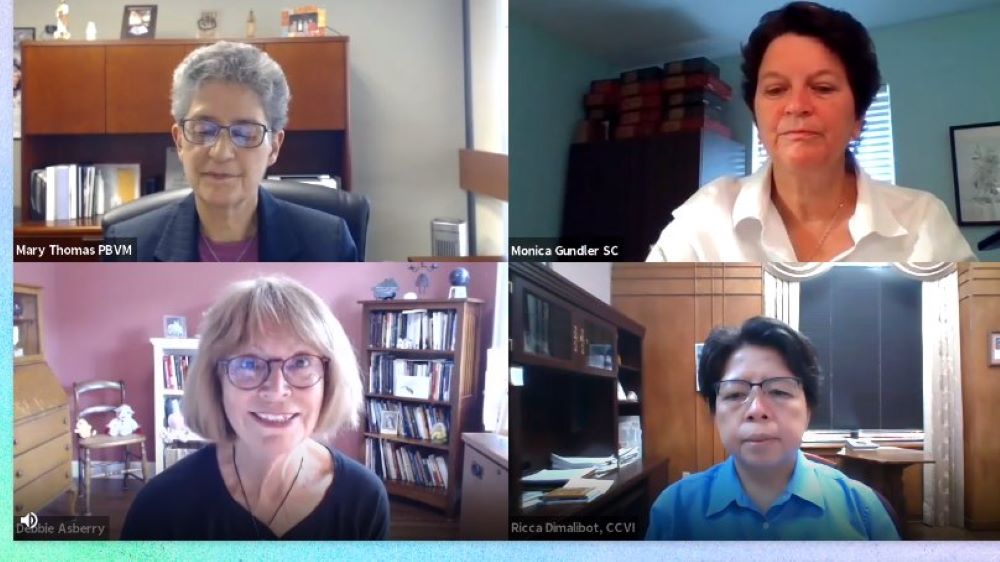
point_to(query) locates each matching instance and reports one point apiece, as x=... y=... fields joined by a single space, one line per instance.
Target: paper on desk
x=559 y=462
x=602 y=485
x=556 y=476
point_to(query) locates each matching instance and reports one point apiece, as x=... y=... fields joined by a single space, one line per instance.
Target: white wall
x=595 y=278
x=407 y=116
x=488 y=51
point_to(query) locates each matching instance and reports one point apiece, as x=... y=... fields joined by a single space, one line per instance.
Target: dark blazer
x=286 y=231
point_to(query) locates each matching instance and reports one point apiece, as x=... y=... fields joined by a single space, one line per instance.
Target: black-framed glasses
x=779 y=390
x=243 y=135
x=248 y=372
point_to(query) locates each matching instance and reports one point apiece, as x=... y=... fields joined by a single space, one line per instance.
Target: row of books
x=410 y=378
x=406 y=464
x=414 y=329
x=175 y=368
x=683 y=95
x=428 y=423
x=78 y=191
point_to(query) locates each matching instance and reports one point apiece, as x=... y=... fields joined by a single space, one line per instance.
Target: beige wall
x=407 y=117
x=595 y=278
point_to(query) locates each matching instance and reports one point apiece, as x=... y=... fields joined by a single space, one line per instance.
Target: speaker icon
x=29 y=520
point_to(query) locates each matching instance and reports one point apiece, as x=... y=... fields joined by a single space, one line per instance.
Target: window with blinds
x=874 y=151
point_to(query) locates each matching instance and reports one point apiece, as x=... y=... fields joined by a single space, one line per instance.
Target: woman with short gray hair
x=237 y=89
x=274 y=381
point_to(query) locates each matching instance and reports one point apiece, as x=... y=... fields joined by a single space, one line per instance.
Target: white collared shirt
x=733 y=220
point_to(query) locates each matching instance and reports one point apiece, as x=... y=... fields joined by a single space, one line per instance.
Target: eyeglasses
x=248 y=372
x=779 y=390
x=243 y=135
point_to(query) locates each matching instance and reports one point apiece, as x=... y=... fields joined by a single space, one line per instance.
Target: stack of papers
x=531 y=499
x=578 y=490
x=556 y=477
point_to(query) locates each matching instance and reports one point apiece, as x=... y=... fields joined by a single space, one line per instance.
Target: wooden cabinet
x=109 y=102
x=627 y=190
x=403 y=458
x=42 y=446
x=139 y=78
x=484 y=487
x=569 y=354
x=549 y=330
x=63 y=90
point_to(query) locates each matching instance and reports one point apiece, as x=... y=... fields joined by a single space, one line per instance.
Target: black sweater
x=189 y=501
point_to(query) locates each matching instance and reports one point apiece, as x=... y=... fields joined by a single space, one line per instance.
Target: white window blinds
x=874 y=151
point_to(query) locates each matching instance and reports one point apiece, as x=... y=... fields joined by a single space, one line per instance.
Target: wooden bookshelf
x=462 y=405
x=109 y=101
x=571 y=351
x=164 y=349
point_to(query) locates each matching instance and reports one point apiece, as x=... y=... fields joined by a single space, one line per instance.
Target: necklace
x=829 y=227
x=247 y=501
x=238 y=258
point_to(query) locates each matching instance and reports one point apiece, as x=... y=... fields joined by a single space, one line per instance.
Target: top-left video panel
x=176 y=134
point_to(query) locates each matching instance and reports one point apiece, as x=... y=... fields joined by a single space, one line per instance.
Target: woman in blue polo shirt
x=760 y=382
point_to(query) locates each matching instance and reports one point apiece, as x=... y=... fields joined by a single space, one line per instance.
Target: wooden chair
x=103 y=440
x=896 y=521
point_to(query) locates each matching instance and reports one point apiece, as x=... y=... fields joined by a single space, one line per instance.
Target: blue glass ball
x=459 y=277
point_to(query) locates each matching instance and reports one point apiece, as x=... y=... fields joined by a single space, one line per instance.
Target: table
x=882 y=469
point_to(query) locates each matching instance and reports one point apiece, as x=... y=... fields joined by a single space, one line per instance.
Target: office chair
x=103 y=440
x=352 y=207
x=896 y=521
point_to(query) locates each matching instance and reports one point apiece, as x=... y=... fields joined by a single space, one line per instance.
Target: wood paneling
x=139 y=78
x=679 y=304
x=319 y=91
x=979 y=313
x=63 y=90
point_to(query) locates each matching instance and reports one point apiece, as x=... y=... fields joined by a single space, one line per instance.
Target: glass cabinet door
x=545 y=325
x=27 y=337
x=597 y=343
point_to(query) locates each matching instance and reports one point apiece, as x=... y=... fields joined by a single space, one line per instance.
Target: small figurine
x=423 y=280
x=62 y=21
x=251 y=25
x=91 y=31
x=83 y=429
x=459 y=278
x=386 y=290
x=123 y=424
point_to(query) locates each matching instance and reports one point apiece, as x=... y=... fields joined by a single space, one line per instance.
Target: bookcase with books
x=172 y=357
x=422 y=391
x=576 y=403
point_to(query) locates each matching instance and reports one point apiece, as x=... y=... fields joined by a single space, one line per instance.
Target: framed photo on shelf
x=994 y=348
x=139 y=22
x=174 y=327
x=975 y=161
x=20 y=34
x=389 y=423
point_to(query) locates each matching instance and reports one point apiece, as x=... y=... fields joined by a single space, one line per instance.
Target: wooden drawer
x=41 y=459
x=31 y=433
x=41 y=491
x=484 y=493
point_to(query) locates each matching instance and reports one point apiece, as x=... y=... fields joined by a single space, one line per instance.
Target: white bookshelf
x=164 y=347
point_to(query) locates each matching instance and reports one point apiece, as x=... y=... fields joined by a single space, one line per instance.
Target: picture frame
x=994 y=349
x=389 y=422
x=975 y=161
x=174 y=327
x=139 y=21
x=697 y=359
x=20 y=34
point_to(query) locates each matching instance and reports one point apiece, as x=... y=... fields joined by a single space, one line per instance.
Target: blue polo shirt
x=820 y=503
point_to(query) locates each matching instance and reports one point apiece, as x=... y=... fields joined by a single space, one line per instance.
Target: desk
x=882 y=469
x=628 y=497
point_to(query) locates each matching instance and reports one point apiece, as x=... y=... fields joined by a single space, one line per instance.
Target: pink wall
x=98 y=317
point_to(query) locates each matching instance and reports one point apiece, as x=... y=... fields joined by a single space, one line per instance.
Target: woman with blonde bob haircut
x=274 y=368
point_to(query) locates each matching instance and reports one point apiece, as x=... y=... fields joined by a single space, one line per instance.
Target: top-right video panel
x=754 y=132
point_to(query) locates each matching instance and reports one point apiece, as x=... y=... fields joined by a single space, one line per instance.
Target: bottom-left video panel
x=259 y=401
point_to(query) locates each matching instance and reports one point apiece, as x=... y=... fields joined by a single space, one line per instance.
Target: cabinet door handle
x=18 y=474
x=477 y=470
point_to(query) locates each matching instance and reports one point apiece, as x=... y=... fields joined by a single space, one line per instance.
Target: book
x=687 y=82
x=645 y=101
x=571 y=494
x=700 y=65
x=639 y=74
x=641 y=88
x=653 y=115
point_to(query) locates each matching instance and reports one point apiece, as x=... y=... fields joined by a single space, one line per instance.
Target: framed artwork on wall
x=975 y=160
x=139 y=22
